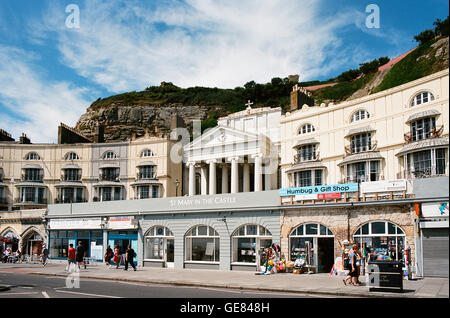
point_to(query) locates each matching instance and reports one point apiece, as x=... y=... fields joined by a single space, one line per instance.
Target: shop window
x=159 y=243
x=201 y=245
x=381 y=240
x=247 y=241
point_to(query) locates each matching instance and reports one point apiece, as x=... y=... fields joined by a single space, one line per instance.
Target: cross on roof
x=249 y=104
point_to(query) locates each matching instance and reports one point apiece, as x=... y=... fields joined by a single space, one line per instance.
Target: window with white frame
x=304 y=237
x=364 y=171
x=306 y=153
x=156 y=241
x=361 y=143
x=381 y=239
x=360 y=115
x=32 y=156
x=422 y=98
x=202 y=244
x=248 y=240
x=422 y=128
x=308 y=178
x=306 y=129
x=71 y=156
x=147 y=153
x=109 y=155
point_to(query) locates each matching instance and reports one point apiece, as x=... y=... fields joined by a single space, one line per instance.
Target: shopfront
x=63 y=232
x=314 y=242
x=10 y=240
x=434 y=232
x=122 y=232
x=159 y=247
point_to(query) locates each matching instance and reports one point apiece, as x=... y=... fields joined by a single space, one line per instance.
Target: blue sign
x=334 y=188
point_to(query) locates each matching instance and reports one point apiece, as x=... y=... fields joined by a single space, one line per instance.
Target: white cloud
x=32 y=104
x=224 y=43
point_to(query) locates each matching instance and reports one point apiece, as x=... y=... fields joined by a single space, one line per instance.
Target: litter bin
x=385 y=276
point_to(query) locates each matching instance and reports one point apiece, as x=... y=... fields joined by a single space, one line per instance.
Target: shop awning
x=422 y=145
x=306 y=166
x=364 y=156
x=359 y=130
x=424 y=114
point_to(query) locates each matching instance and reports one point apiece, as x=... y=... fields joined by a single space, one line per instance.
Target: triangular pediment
x=221 y=135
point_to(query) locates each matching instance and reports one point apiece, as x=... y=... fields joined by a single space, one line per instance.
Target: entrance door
x=170 y=252
x=325 y=254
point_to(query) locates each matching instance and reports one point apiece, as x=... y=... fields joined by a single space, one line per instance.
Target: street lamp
x=177 y=183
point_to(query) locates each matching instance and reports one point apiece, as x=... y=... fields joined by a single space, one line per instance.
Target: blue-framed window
x=59 y=242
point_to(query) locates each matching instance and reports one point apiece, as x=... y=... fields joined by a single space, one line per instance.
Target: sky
x=58 y=56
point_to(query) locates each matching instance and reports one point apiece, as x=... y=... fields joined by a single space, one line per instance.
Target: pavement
x=317 y=284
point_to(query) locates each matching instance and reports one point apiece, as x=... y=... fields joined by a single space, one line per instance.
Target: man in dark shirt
x=129 y=256
x=80 y=255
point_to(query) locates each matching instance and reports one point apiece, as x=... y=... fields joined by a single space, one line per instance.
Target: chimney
x=24 y=140
x=99 y=135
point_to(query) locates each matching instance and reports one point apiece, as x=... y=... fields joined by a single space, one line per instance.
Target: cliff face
x=121 y=120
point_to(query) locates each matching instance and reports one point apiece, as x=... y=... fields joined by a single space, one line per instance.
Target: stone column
x=224 y=178
x=246 y=187
x=234 y=175
x=268 y=178
x=191 y=178
x=212 y=177
x=204 y=180
x=258 y=172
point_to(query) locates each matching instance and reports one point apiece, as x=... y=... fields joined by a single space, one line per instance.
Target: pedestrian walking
x=116 y=259
x=129 y=256
x=71 y=257
x=44 y=254
x=108 y=255
x=353 y=274
x=79 y=255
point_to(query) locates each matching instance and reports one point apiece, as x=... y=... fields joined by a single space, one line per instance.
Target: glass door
x=170 y=252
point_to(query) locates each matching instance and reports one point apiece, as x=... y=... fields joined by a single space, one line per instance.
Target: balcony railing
x=146 y=176
x=419 y=173
x=109 y=177
x=71 y=178
x=360 y=149
x=433 y=133
x=69 y=200
x=301 y=158
x=19 y=201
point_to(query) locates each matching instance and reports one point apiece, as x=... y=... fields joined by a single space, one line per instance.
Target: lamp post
x=177 y=183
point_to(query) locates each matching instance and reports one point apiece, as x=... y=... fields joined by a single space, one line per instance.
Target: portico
x=230 y=158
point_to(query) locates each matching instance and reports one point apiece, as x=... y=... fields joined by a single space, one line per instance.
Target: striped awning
x=424 y=114
x=422 y=145
x=306 y=142
x=31 y=166
x=31 y=184
x=359 y=130
x=371 y=155
x=108 y=184
x=306 y=166
x=71 y=166
x=109 y=165
x=73 y=184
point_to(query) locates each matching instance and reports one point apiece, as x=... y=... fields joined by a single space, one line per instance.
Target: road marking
x=45 y=294
x=20 y=293
x=95 y=295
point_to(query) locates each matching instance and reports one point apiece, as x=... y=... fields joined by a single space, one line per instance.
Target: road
x=22 y=285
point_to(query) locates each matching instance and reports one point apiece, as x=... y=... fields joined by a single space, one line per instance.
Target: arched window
x=360 y=115
x=422 y=98
x=71 y=156
x=109 y=155
x=306 y=129
x=315 y=243
x=381 y=239
x=32 y=156
x=202 y=244
x=147 y=153
x=248 y=240
x=159 y=244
